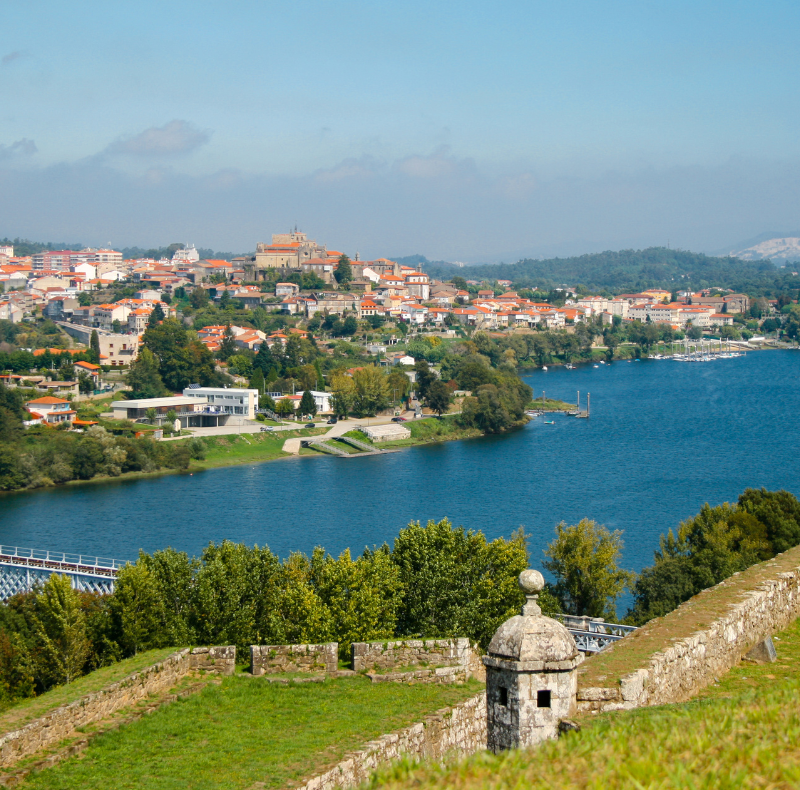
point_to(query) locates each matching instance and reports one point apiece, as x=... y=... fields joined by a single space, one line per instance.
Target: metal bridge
x=22 y=569
x=592 y=634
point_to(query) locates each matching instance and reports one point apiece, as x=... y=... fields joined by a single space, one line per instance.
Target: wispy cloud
x=173 y=139
x=23 y=147
x=12 y=56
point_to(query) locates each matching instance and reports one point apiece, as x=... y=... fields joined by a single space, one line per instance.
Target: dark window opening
x=503 y=696
x=543 y=699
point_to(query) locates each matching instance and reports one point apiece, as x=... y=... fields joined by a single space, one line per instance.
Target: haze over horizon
x=470 y=132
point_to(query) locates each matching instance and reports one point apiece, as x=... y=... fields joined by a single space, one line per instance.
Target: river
x=663 y=438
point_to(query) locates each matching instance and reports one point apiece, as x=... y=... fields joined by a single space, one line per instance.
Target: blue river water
x=663 y=438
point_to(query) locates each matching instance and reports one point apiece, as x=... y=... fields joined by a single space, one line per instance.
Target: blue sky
x=473 y=131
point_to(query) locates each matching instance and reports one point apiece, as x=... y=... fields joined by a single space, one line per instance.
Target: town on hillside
x=74 y=323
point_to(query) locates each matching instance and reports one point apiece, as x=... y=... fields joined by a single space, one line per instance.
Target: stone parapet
x=376 y=656
x=220 y=659
x=270 y=659
x=457 y=731
x=677 y=672
x=439 y=675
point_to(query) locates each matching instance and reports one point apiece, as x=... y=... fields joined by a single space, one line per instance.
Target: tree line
x=706 y=549
x=434 y=581
x=42 y=455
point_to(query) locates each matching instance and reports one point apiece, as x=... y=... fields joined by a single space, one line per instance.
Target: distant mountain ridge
x=626 y=271
x=776 y=246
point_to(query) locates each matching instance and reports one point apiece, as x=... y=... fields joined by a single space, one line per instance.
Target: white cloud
x=174 y=138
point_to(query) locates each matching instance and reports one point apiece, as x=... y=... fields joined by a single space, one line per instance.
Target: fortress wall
x=268 y=659
x=677 y=672
x=456 y=731
x=377 y=656
x=48 y=730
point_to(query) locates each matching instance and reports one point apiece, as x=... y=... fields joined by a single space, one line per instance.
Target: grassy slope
x=248 y=733
x=426 y=431
x=744 y=732
x=248 y=447
x=23 y=712
x=633 y=652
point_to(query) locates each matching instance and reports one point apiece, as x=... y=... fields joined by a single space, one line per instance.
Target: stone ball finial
x=531 y=582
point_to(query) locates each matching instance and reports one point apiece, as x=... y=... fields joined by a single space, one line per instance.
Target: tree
x=454 y=582
x=343 y=390
x=116 y=326
x=399 y=384
x=60 y=632
x=156 y=315
x=371 y=391
x=583 y=558
x=227 y=348
x=425 y=377
x=199 y=298
x=694 y=332
x=257 y=381
x=143 y=376
x=84 y=299
x=85 y=383
x=344 y=271
x=94 y=347
x=438 y=397
x=349 y=326
x=225 y=299
x=136 y=609
x=151 y=415
x=284 y=408
x=307 y=405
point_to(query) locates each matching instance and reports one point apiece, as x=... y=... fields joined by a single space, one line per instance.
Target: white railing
x=59 y=560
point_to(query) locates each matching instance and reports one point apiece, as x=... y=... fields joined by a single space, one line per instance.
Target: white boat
x=544 y=367
x=595 y=366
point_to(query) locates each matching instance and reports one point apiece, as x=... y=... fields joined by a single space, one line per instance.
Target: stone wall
x=377 y=656
x=678 y=672
x=267 y=659
x=456 y=674
x=53 y=727
x=457 y=731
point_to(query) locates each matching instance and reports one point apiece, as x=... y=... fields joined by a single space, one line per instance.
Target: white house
x=224 y=400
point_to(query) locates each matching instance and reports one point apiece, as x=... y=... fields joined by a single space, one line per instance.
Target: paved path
x=343 y=426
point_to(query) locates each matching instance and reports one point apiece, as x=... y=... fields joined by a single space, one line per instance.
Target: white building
x=187 y=254
x=241 y=403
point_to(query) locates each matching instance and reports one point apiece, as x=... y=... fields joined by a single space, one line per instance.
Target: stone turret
x=531 y=678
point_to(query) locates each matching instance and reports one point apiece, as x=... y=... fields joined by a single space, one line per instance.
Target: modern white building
x=241 y=403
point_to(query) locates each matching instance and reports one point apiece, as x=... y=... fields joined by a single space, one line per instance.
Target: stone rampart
x=681 y=669
x=51 y=728
x=268 y=659
x=456 y=674
x=456 y=731
x=381 y=656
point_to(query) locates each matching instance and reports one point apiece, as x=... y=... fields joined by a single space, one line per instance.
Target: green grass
x=23 y=712
x=248 y=447
x=247 y=734
x=634 y=652
x=428 y=430
x=742 y=733
x=551 y=405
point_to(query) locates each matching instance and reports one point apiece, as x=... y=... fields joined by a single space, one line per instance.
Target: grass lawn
x=245 y=733
x=248 y=447
x=743 y=732
x=21 y=713
x=424 y=431
x=632 y=653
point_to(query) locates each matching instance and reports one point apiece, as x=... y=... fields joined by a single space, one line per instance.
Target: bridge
x=22 y=569
x=592 y=634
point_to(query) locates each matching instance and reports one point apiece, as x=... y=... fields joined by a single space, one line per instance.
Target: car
x=267 y=429
x=311 y=425
x=333 y=420
x=398 y=419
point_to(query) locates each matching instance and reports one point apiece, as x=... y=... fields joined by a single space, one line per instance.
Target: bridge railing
x=594 y=625
x=59 y=560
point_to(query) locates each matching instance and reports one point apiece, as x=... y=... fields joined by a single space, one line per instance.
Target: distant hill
x=630 y=271
x=776 y=246
x=23 y=247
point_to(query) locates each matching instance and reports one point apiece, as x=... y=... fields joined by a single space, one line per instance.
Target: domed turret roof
x=531 y=637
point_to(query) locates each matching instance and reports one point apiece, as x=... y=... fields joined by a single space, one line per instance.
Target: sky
x=473 y=131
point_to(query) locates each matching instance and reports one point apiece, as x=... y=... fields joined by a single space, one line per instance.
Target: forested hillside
x=631 y=271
